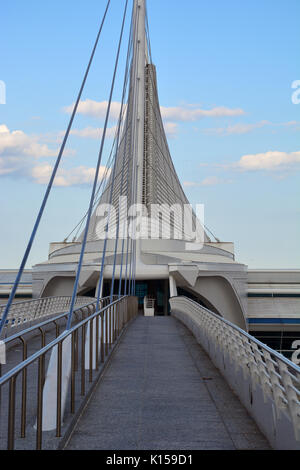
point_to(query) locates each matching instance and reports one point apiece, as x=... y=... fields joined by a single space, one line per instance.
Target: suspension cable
x=134 y=168
x=101 y=280
x=50 y=184
x=96 y=177
x=113 y=179
x=100 y=186
x=129 y=248
x=122 y=181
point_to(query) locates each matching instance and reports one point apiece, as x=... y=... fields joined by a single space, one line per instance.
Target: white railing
x=32 y=310
x=266 y=382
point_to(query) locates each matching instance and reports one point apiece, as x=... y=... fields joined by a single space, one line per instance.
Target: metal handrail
x=49 y=346
x=278 y=377
x=104 y=301
x=31 y=310
x=97 y=333
x=36 y=300
x=39 y=327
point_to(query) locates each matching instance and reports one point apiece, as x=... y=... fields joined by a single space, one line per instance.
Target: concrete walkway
x=161 y=392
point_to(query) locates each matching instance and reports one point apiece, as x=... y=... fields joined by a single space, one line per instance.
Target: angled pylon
x=144 y=172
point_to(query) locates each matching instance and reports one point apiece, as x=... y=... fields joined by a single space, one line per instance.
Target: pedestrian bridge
x=113 y=379
x=118 y=380
x=161 y=391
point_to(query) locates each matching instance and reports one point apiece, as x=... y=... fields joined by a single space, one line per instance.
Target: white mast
x=140 y=44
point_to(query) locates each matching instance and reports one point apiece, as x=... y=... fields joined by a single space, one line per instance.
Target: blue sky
x=225 y=71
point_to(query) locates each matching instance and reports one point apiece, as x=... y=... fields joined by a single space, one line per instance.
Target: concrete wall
x=59 y=285
x=221 y=295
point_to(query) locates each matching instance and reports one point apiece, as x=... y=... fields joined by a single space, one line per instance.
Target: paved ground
x=161 y=392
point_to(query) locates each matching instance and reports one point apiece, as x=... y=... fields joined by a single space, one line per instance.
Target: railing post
x=109 y=326
x=56 y=328
x=58 y=394
x=57 y=383
x=40 y=404
x=83 y=360
x=91 y=352
x=106 y=330
x=102 y=337
x=11 y=414
x=115 y=322
x=76 y=347
x=73 y=368
x=97 y=343
x=112 y=325
x=24 y=391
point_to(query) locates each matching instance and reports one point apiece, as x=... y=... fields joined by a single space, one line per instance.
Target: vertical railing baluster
x=11 y=414
x=106 y=331
x=102 y=337
x=73 y=368
x=58 y=393
x=76 y=347
x=56 y=328
x=110 y=327
x=113 y=324
x=91 y=352
x=0 y=386
x=24 y=391
x=97 y=342
x=83 y=360
x=39 y=423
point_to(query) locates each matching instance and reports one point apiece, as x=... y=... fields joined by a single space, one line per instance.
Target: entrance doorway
x=157 y=289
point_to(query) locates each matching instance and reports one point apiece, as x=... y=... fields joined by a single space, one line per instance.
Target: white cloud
x=96 y=109
x=3 y=129
x=241 y=128
x=245 y=128
x=271 y=160
x=19 y=151
x=181 y=113
x=291 y=123
x=80 y=175
x=9 y=165
x=209 y=181
x=17 y=143
x=190 y=184
x=94 y=133
x=295 y=125
x=171 y=129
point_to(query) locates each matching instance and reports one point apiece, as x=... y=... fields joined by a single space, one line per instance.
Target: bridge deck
x=161 y=391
